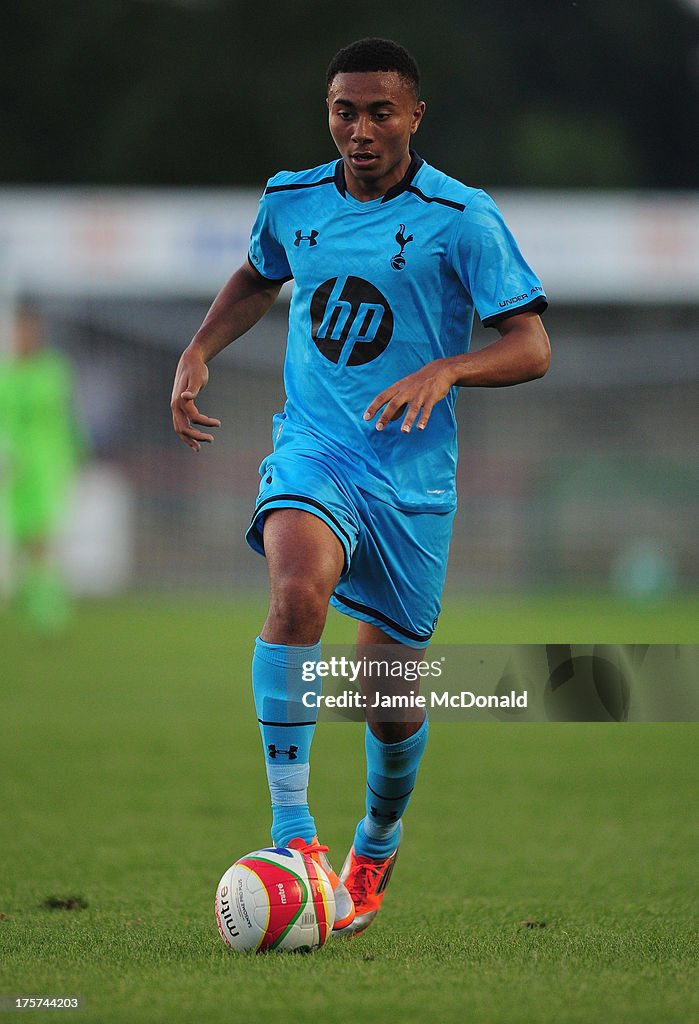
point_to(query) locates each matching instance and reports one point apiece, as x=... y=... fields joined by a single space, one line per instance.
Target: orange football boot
x=367 y=880
x=344 y=907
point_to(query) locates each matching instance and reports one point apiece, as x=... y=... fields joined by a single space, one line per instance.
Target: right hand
x=191 y=376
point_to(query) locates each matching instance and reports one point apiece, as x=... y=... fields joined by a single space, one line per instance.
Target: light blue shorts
x=395 y=561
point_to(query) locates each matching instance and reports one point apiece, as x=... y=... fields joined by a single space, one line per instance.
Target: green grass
x=130 y=776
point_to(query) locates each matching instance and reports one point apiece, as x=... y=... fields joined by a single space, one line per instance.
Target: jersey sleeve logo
x=398 y=261
x=351 y=321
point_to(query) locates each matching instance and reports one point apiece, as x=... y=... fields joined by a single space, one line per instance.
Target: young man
x=43 y=447
x=389 y=258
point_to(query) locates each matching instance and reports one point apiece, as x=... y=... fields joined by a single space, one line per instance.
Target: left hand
x=418 y=393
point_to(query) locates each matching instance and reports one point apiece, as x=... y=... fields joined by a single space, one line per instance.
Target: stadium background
x=587 y=479
x=137 y=135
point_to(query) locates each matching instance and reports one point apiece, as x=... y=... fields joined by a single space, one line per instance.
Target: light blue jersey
x=380 y=289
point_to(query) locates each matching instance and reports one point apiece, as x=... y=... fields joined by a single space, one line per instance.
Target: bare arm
x=243 y=300
x=521 y=353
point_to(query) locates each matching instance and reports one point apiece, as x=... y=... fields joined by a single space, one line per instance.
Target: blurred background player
x=390 y=258
x=42 y=446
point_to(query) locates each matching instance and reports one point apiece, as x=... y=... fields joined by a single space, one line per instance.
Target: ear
x=417 y=116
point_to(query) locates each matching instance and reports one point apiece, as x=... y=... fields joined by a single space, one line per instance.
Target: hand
x=191 y=376
x=420 y=391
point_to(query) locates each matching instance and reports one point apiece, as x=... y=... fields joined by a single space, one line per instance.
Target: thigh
x=306 y=482
x=298 y=544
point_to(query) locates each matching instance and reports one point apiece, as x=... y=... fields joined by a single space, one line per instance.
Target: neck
x=365 y=191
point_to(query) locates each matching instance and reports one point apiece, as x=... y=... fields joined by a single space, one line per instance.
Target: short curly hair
x=375 y=55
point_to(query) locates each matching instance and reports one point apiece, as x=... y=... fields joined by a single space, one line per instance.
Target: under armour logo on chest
x=311 y=239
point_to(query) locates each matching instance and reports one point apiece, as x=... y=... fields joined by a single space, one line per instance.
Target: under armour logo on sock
x=291 y=753
x=385 y=815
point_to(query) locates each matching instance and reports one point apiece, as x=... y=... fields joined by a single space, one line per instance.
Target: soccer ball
x=275 y=899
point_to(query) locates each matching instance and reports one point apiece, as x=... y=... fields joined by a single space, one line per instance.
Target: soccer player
x=389 y=258
x=43 y=447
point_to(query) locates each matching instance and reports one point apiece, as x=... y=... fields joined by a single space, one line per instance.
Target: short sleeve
x=266 y=253
x=488 y=262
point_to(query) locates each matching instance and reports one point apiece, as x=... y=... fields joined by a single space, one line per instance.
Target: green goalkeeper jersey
x=39 y=443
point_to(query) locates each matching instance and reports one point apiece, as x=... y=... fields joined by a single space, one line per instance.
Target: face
x=372 y=116
x=28 y=335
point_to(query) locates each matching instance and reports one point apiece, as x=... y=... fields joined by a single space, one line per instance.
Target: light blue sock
x=287 y=728
x=391 y=774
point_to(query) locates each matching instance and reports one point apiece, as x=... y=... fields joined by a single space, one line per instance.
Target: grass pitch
x=548 y=872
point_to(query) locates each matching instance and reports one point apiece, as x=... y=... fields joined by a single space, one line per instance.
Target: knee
x=297 y=611
x=394 y=732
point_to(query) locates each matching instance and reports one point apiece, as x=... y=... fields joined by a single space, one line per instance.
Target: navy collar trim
x=416 y=163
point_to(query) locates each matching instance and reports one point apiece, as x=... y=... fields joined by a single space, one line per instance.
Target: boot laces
x=364 y=879
x=314 y=847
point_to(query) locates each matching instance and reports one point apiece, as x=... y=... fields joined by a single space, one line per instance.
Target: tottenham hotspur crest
x=398 y=261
